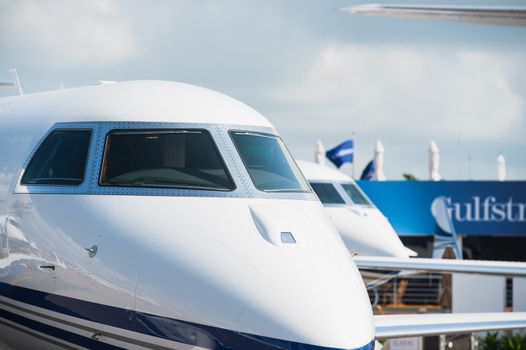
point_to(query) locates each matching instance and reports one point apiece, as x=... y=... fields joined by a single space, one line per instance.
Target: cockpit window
x=165 y=159
x=356 y=195
x=327 y=193
x=269 y=163
x=60 y=159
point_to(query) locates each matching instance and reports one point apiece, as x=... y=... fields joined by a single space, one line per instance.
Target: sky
x=315 y=72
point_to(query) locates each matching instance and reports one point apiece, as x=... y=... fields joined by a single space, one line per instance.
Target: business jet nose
x=366 y=231
x=310 y=292
x=325 y=305
x=275 y=273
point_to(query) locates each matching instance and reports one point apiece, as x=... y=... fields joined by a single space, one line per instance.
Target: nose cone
x=318 y=296
x=235 y=272
x=366 y=231
x=326 y=307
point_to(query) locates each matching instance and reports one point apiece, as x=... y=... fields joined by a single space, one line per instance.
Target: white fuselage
x=363 y=228
x=137 y=267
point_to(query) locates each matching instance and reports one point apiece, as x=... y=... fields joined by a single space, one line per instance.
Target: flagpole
x=353 y=134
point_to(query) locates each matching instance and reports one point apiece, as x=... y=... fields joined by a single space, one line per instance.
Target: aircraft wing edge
x=401 y=326
x=496 y=268
x=514 y=16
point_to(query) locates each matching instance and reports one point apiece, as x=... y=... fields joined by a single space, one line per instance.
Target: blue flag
x=368 y=172
x=343 y=153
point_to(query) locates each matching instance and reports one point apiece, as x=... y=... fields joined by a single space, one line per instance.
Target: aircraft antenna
x=16 y=82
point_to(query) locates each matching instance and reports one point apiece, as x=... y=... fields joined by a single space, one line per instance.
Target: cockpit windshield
x=165 y=159
x=269 y=163
x=327 y=193
x=356 y=195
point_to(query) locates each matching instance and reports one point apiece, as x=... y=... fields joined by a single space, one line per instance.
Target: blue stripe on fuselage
x=56 y=332
x=153 y=325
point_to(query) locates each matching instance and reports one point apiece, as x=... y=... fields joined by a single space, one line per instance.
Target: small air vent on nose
x=288 y=238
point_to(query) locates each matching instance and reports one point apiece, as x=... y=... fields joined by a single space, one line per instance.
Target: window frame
x=33 y=154
x=231 y=132
x=105 y=154
x=104 y=124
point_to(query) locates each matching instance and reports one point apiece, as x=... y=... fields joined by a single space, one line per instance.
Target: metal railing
x=411 y=290
x=417 y=290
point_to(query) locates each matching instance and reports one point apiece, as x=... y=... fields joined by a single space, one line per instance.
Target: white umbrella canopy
x=434 y=162
x=501 y=167
x=379 y=162
x=319 y=153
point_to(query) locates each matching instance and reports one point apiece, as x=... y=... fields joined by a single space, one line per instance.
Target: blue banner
x=483 y=208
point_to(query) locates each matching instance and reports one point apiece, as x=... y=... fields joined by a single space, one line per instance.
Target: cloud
x=316 y=73
x=66 y=34
x=415 y=92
